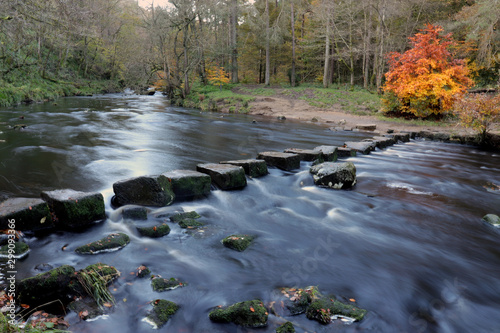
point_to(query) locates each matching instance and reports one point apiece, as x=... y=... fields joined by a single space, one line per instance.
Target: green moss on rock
x=286 y=328
x=46 y=287
x=246 y=314
x=156 y=231
x=143 y=271
x=238 y=242
x=190 y=223
x=492 y=219
x=109 y=243
x=187 y=215
x=20 y=250
x=136 y=213
x=160 y=284
x=323 y=308
x=162 y=311
x=29 y=214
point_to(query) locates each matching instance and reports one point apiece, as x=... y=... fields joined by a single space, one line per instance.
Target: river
x=407 y=242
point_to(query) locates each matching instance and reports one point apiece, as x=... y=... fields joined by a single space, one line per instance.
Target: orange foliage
x=425 y=79
x=479 y=112
x=218 y=76
x=161 y=81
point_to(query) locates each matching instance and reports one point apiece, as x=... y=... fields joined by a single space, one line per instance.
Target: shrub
x=479 y=112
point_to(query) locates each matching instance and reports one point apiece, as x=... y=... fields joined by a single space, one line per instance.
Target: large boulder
x=308 y=155
x=45 y=287
x=283 y=161
x=153 y=191
x=253 y=168
x=361 y=147
x=26 y=214
x=246 y=314
x=74 y=209
x=225 y=176
x=188 y=184
x=334 y=175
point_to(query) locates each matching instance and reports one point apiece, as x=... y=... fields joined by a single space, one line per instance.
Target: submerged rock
x=27 y=213
x=153 y=191
x=74 y=209
x=253 y=168
x=492 y=219
x=246 y=314
x=324 y=308
x=283 y=161
x=162 y=311
x=225 y=176
x=156 y=231
x=18 y=250
x=188 y=184
x=46 y=287
x=186 y=215
x=112 y=242
x=328 y=153
x=135 y=213
x=334 y=175
x=286 y=328
x=238 y=242
x=361 y=147
x=160 y=284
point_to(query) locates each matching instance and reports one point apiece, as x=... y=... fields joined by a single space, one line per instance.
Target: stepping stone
x=253 y=168
x=334 y=175
x=381 y=141
x=329 y=153
x=283 y=161
x=189 y=184
x=366 y=127
x=153 y=191
x=405 y=137
x=308 y=155
x=238 y=242
x=110 y=243
x=74 y=209
x=361 y=147
x=346 y=152
x=225 y=176
x=27 y=214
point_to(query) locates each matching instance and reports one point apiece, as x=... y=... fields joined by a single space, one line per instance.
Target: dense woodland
x=69 y=45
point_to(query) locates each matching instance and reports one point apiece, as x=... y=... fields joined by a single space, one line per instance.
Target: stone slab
x=253 y=168
x=27 y=214
x=224 y=176
x=329 y=153
x=189 y=184
x=284 y=161
x=308 y=155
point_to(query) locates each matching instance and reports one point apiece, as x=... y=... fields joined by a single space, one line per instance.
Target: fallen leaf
x=252 y=309
x=108 y=305
x=154 y=228
x=30 y=208
x=43 y=219
x=25 y=306
x=83 y=314
x=124 y=300
x=352 y=299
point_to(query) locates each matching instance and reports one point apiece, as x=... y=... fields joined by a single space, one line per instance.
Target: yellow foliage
x=217 y=76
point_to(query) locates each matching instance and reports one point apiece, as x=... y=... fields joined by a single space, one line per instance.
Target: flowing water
x=407 y=242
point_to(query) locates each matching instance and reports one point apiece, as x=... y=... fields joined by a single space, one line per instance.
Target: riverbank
x=338 y=108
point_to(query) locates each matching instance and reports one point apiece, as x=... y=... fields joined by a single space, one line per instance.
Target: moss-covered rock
x=224 y=176
x=154 y=191
x=492 y=219
x=156 y=231
x=190 y=224
x=142 y=271
x=238 y=242
x=112 y=242
x=188 y=184
x=107 y=272
x=135 y=213
x=186 y=215
x=324 y=308
x=162 y=311
x=46 y=287
x=87 y=308
x=286 y=328
x=160 y=284
x=18 y=249
x=246 y=314
x=297 y=300
x=334 y=175
x=28 y=214
x=74 y=209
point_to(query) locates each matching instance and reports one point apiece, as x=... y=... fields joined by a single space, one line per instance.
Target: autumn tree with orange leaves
x=425 y=80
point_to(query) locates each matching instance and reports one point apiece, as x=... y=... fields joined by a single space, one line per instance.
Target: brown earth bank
x=287 y=106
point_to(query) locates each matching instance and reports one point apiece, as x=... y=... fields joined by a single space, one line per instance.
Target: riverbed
x=407 y=242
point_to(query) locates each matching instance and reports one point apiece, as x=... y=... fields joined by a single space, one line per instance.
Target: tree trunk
x=292 y=74
x=367 y=45
x=327 y=53
x=268 y=56
x=234 y=46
